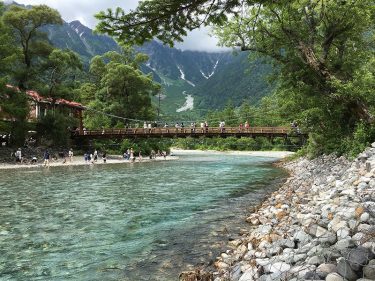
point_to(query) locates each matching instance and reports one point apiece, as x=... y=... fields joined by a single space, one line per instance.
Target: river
x=130 y=222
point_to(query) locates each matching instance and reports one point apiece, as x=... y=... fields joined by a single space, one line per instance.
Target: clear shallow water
x=143 y=221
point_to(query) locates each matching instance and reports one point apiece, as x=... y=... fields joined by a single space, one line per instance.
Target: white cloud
x=84 y=11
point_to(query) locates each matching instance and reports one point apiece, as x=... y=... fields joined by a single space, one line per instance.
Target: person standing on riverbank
x=95 y=155
x=18 y=155
x=104 y=157
x=46 y=158
x=70 y=154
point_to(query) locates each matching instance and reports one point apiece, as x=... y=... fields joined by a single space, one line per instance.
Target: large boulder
x=345 y=270
x=359 y=257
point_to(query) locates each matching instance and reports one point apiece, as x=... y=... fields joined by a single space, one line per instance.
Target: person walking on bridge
x=247 y=126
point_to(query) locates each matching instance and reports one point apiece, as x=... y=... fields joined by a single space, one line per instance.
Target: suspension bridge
x=158 y=132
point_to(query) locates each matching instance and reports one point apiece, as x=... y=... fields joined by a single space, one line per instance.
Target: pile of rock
x=318 y=226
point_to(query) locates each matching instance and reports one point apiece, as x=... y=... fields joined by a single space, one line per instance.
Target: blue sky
x=83 y=10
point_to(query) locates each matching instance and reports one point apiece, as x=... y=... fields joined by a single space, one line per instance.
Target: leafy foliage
x=33 y=45
x=52 y=128
x=121 y=89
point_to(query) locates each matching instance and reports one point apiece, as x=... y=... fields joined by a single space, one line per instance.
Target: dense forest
x=321 y=52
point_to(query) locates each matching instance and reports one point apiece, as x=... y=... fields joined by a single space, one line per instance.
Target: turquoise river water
x=130 y=222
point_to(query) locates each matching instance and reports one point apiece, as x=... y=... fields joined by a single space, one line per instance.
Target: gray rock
x=249 y=275
x=322 y=234
x=359 y=257
x=235 y=272
x=277 y=267
x=365 y=217
x=331 y=254
x=370 y=206
x=345 y=270
x=335 y=277
x=301 y=270
x=344 y=244
x=274 y=250
x=327 y=268
x=315 y=251
x=286 y=243
x=352 y=224
x=298 y=257
x=314 y=275
x=369 y=270
x=358 y=237
x=362 y=186
x=301 y=237
x=343 y=233
x=270 y=277
x=364 y=227
x=315 y=260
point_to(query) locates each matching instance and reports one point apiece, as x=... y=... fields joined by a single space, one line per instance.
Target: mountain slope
x=210 y=78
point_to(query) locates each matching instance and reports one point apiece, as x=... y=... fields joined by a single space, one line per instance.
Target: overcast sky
x=83 y=10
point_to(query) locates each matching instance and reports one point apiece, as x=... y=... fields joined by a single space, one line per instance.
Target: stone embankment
x=318 y=226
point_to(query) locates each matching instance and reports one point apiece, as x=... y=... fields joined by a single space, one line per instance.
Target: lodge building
x=39 y=106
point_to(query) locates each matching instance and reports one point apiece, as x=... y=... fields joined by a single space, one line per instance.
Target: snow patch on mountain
x=189 y=103
x=183 y=76
x=212 y=72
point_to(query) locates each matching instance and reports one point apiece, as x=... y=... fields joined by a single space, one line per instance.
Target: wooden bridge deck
x=271 y=132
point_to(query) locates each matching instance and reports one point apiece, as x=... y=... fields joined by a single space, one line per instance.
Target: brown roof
x=38 y=98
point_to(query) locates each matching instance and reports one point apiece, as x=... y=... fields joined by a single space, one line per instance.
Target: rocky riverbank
x=318 y=226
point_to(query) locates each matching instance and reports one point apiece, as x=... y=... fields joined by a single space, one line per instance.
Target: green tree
x=168 y=21
x=59 y=74
x=121 y=89
x=25 y=24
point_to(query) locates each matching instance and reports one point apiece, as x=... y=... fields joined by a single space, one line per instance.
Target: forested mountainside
x=213 y=78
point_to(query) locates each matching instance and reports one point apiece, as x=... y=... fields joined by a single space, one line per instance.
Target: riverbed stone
x=344 y=244
x=277 y=267
x=322 y=234
x=302 y=237
x=327 y=268
x=365 y=217
x=345 y=270
x=369 y=270
x=335 y=277
x=316 y=260
x=249 y=275
x=359 y=257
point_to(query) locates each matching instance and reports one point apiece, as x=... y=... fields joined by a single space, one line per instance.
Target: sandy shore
x=273 y=154
x=78 y=161
x=116 y=159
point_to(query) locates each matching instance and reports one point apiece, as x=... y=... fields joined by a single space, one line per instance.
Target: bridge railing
x=187 y=130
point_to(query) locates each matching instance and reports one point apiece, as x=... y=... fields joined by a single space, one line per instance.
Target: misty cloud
x=84 y=11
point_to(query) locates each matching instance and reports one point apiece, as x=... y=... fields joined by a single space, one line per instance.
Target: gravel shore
x=318 y=226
